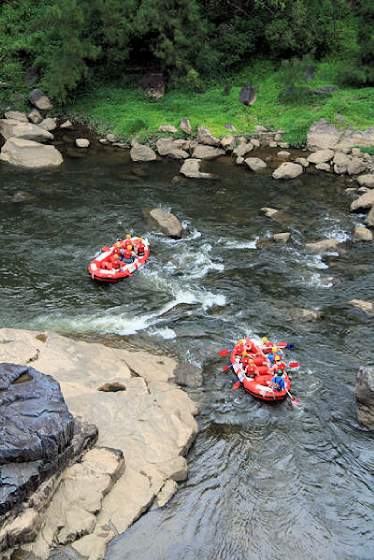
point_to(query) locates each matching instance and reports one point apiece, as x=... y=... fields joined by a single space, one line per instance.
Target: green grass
x=126 y=111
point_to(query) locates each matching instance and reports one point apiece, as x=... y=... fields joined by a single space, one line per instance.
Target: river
x=266 y=482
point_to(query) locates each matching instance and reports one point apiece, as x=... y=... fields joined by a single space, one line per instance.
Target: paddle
x=294 y=400
x=236 y=386
x=224 y=352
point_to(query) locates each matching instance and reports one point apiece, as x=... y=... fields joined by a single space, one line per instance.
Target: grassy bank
x=126 y=111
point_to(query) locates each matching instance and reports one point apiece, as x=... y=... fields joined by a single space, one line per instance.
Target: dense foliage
x=62 y=44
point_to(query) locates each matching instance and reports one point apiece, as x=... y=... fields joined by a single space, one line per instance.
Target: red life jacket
x=141 y=248
x=127 y=254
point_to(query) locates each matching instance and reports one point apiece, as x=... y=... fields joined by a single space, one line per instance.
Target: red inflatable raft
x=99 y=268
x=261 y=386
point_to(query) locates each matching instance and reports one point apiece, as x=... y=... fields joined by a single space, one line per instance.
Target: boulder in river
x=16 y=116
x=204 y=136
x=370 y=218
x=288 y=170
x=321 y=156
x=191 y=168
x=243 y=148
x=323 y=246
x=167 y=222
x=140 y=152
x=363 y=202
x=363 y=305
x=187 y=375
x=255 y=164
x=207 y=152
x=283 y=237
x=26 y=153
x=341 y=162
x=302 y=161
x=66 y=124
x=365 y=396
x=40 y=100
x=10 y=128
x=362 y=233
x=366 y=181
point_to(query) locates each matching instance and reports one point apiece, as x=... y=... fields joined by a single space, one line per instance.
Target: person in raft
x=140 y=249
x=238 y=368
x=278 y=380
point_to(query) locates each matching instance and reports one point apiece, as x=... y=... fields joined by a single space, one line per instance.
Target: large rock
x=255 y=164
x=167 y=222
x=35 y=117
x=365 y=396
x=15 y=129
x=362 y=233
x=207 y=152
x=288 y=170
x=49 y=124
x=323 y=246
x=303 y=161
x=40 y=100
x=167 y=128
x=140 y=152
x=341 y=162
x=356 y=166
x=363 y=202
x=16 y=116
x=187 y=375
x=243 y=148
x=228 y=143
x=82 y=142
x=370 y=218
x=366 y=181
x=283 y=237
x=363 y=305
x=323 y=135
x=191 y=168
x=321 y=156
x=26 y=153
x=171 y=148
x=151 y=422
x=205 y=137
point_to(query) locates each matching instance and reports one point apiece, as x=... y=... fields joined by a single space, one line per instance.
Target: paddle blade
x=224 y=352
x=294 y=365
x=290 y=346
x=226 y=368
x=236 y=386
x=281 y=344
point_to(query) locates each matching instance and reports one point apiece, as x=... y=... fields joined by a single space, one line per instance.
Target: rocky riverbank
x=145 y=427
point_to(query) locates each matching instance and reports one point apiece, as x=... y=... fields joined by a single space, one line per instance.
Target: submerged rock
x=167 y=222
x=82 y=142
x=282 y=237
x=365 y=396
x=362 y=305
x=187 y=375
x=363 y=202
x=323 y=246
x=362 y=233
x=26 y=153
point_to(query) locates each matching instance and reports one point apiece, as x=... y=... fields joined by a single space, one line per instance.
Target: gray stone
x=282 y=237
x=239 y=160
x=370 y=218
x=366 y=181
x=321 y=156
x=16 y=116
x=269 y=212
x=284 y=145
x=324 y=167
x=66 y=124
x=187 y=375
x=356 y=166
x=40 y=100
x=228 y=143
x=362 y=233
x=48 y=124
x=167 y=222
x=288 y=170
x=185 y=125
x=341 y=162
x=322 y=135
x=283 y=154
x=243 y=148
x=139 y=152
x=323 y=246
x=191 y=168
x=171 y=148
x=82 y=142
x=207 y=152
x=255 y=142
x=363 y=202
x=205 y=137
x=166 y=493
x=35 y=117
x=27 y=131
x=168 y=128
x=365 y=396
x=255 y=164
x=25 y=153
